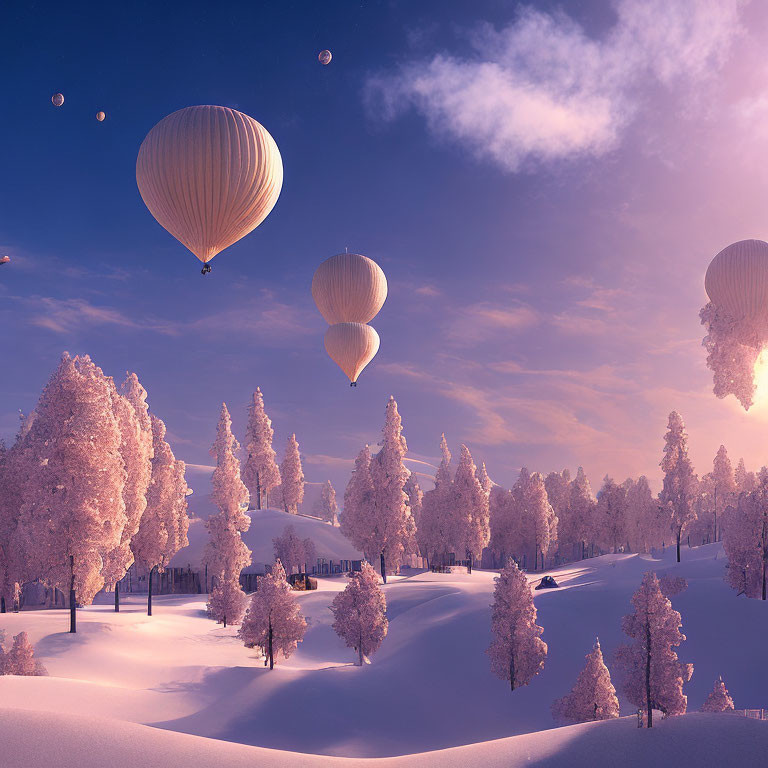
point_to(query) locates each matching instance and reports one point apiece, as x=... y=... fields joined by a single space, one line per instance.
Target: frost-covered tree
x=485 y=482
x=415 y=497
x=723 y=487
x=745 y=541
x=292 y=476
x=260 y=473
x=536 y=514
x=644 y=522
x=610 y=531
x=273 y=621
x=746 y=482
x=376 y=506
x=16 y=465
x=329 y=509
x=163 y=527
x=558 y=487
x=73 y=511
x=469 y=509
x=434 y=530
x=360 y=613
x=226 y=554
x=593 y=697
x=20 y=659
x=578 y=525
x=132 y=413
x=291 y=551
x=680 y=490
x=507 y=539
x=653 y=676
x=672 y=585
x=517 y=651
x=719 y=700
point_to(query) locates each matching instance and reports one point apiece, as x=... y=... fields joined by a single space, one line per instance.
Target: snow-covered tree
x=610 y=516
x=434 y=531
x=507 y=539
x=291 y=551
x=260 y=473
x=73 y=511
x=415 y=497
x=680 y=489
x=517 y=651
x=653 y=676
x=292 y=476
x=20 y=659
x=16 y=465
x=746 y=482
x=536 y=514
x=578 y=526
x=644 y=521
x=719 y=700
x=226 y=554
x=163 y=527
x=723 y=487
x=375 y=505
x=360 y=613
x=469 y=509
x=485 y=482
x=745 y=541
x=558 y=487
x=329 y=509
x=133 y=418
x=593 y=697
x=273 y=621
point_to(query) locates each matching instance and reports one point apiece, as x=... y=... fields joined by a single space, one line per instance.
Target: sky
x=544 y=185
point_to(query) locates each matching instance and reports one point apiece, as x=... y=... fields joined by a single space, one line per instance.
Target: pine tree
x=20 y=660
x=610 y=516
x=485 y=482
x=719 y=700
x=226 y=554
x=433 y=531
x=328 y=507
x=130 y=409
x=579 y=524
x=745 y=541
x=273 y=620
x=73 y=511
x=469 y=509
x=163 y=527
x=517 y=651
x=654 y=677
x=292 y=477
x=415 y=497
x=680 y=482
x=558 y=487
x=260 y=473
x=723 y=487
x=360 y=613
x=358 y=500
x=644 y=523
x=746 y=482
x=507 y=539
x=536 y=514
x=593 y=697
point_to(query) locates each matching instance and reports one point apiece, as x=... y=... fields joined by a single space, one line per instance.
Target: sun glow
x=761 y=382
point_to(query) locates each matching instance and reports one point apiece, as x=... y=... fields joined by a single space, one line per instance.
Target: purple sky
x=544 y=192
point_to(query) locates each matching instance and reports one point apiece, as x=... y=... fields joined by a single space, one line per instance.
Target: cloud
x=68 y=315
x=476 y=322
x=325 y=460
x=541 y=89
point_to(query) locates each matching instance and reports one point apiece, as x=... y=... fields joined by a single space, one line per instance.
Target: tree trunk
x=2 y=604
x=206 y=578
x=225 y=622
x=469 y=561
x=258 y=491
x=648 y=673
x=271 y=654
x=117 y=597
x=72 y=597
x=679 y=535
x=512 y=671
x=383 y=569
x=149 y=591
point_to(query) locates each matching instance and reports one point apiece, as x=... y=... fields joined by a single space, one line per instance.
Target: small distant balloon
x=101 y=116
x=57 y=99
x=324 y=57
x=4 y=259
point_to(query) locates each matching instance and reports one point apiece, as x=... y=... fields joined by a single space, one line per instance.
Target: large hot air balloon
x=57 y=99
x=349 y=288
x=209 y=175
x=351 y=346
x=736 y=317
x=737 y=280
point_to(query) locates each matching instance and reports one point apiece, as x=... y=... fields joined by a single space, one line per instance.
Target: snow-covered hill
x=266 y=524
x=429 y=687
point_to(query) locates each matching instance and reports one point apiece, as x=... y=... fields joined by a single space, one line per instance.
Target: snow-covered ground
x=428 y=688
x=267 y=524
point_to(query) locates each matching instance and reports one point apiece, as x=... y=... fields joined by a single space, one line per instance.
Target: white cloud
x=540 y=89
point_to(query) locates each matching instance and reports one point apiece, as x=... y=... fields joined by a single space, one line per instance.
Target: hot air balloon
x=57 y=99
x=351 y=346
x=324 y=57
x=4 y=259
x=349 y=288
x=736 y=317
x=101 y=116
x=209 y=175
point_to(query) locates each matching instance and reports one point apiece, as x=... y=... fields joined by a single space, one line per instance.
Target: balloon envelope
x=209 y=175
x=737 y=280
x=324 y=57
x=57 y=99
x=101 y=116
x=349 y=288
x=351 y=346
